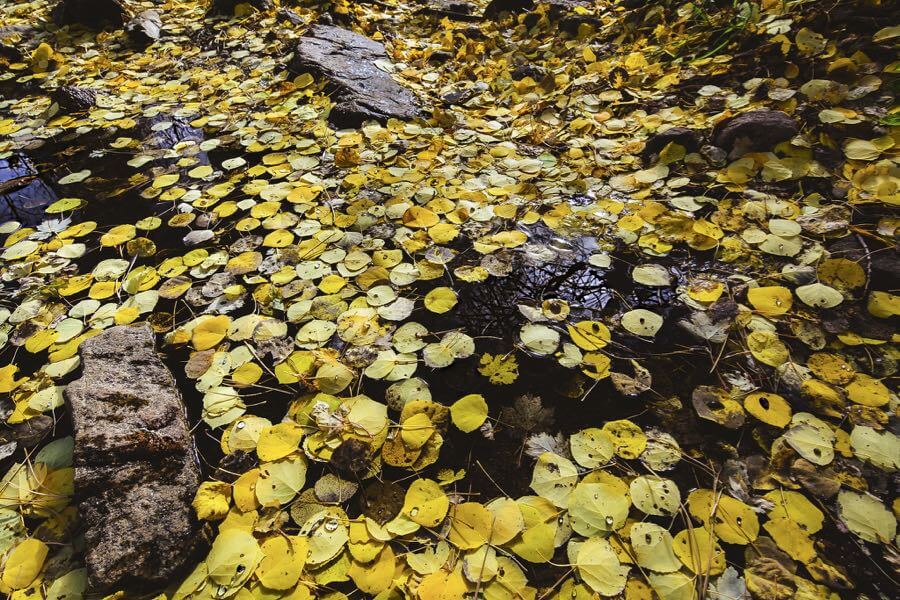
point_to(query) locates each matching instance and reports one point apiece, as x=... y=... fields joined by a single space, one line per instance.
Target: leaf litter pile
x=613 y=317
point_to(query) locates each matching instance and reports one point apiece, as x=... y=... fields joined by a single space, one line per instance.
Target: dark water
x=23 y=194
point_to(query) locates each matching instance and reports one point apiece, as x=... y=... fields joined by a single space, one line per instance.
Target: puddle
x=553 y=266
x=547 y=267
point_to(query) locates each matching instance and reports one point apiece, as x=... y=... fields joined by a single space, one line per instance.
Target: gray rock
x=286 y=15
x=135 y=461
x=145 y=27
x=755 y=130
x=360 y=90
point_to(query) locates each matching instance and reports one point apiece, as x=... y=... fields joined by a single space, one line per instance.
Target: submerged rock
x=226 y=7
x=360 y=89
x=135 y=463
x=71 y=98
x=755 y=130
x=90 y=13
x=497 y=7
x=689 y=138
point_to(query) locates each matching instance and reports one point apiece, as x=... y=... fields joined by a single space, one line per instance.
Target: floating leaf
x=554 y=478
x=770 y=301
x=599 y=567
x=653 y=548
x=24 y=563
x=642 y=322
x=469 y=412
x=440 y=300
x=500 y=370
x=819 y=295
x=655 y=495
x=233 y=557
x=867 y=517
x=540 y=339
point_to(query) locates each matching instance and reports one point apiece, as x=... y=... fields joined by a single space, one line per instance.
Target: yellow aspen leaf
x=554 y=477
x=416 y=430
x=278 y=441
x=867 y=517
x=591 y=448
x=440 y=300
x=831 y=367
x=470 y=525
x=842 y=273
x=596 y=365
x=769 y=408
x=628 y=439
x=209 y=332
x=425 y=503
x=233 y=557
x=443 y=585
x=706 y=291
x=24 y=563
x=244 y=491
x=507 y=520
x=374 y=577
x=212 y=500
x=868 y=391
x=589 y=335
x=600 y=568
x=767 y=348
x=883 y=304
x=698 y=550
x=419 y=217
x=731 y=520
x=118 y=235
x=770 y=301
x=469 y=412
x=795 y=506
x=8 y=381
x=283 y=560
x=643 y=322
x=247 y=374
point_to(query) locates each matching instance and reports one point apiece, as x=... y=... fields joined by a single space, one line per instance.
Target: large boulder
x=136 y=468
x=359 y=89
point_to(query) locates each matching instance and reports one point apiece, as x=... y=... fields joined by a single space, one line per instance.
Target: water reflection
x=548 y=266
x=23 y=194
